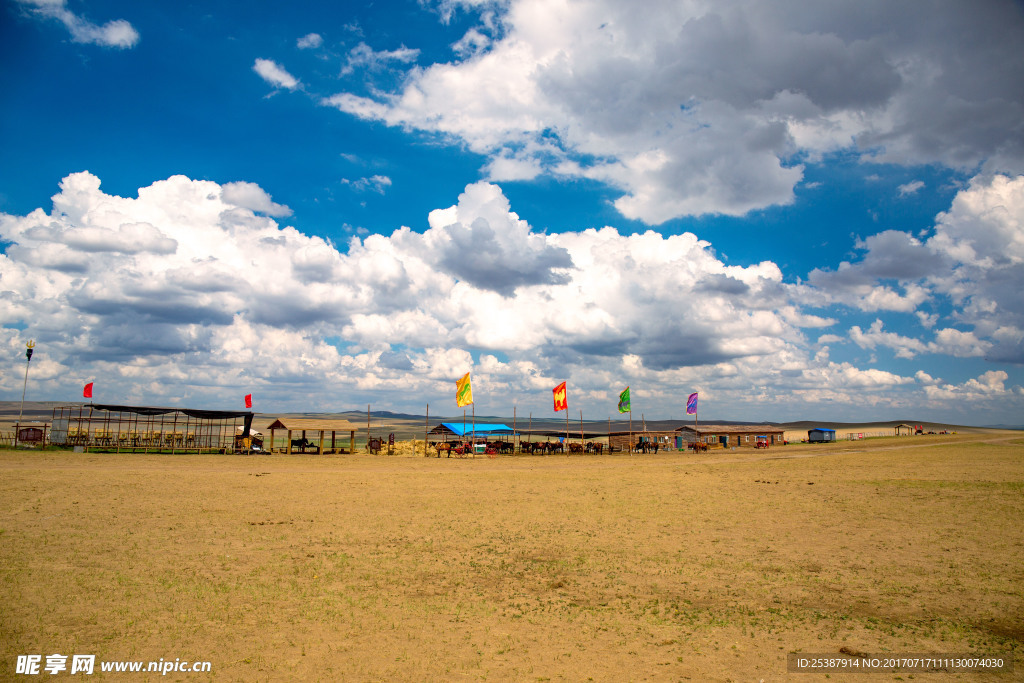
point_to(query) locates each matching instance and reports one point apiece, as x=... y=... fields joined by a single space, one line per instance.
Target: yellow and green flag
x=463 y=391
x=624 y=402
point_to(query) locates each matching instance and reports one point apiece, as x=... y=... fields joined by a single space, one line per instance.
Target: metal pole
x=86 y=449
x=21 y=413
x=565 y=450
x=514 y=429
x=643 y=421
x=426 y=427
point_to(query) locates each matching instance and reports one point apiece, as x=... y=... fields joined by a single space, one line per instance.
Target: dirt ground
x=615 y=568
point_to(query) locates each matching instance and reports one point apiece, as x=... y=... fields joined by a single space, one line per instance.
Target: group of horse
x=459 y=449
x=543 y=447
x=505 y=447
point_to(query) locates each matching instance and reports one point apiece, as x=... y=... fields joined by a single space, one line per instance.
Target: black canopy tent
x=148 y=428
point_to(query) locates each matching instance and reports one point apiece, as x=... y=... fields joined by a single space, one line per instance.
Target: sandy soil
x=669 y=567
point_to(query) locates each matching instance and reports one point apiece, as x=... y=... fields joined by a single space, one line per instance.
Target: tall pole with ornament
x=21 y=413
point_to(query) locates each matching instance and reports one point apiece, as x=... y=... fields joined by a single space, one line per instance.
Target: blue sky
x=800 y=211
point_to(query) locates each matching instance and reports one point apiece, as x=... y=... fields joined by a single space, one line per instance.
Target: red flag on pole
x=561 y=401
x=248 y=400
x=87 y=390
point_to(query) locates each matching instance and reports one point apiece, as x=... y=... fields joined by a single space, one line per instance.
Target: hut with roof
x=729 y=436
x=905 y=430
x=305 y=433
x=821 y=435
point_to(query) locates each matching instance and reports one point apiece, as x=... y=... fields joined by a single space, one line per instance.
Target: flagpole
x=474 y=429
x=86 y=449
x=513 y=429
x=581 y=427
x=643 y=421
x=566 y=421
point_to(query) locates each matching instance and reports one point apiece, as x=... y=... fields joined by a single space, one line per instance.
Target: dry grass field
x=616 y=568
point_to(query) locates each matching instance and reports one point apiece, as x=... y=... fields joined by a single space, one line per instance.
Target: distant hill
x=407 y=425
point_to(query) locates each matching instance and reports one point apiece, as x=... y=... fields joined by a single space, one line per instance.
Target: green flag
x=624 y=401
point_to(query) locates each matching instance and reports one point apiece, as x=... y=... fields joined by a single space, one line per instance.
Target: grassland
x=668 y=567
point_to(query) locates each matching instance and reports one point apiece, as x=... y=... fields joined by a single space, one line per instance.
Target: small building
x=311 y=427
x=905 y=430
x=821 y=435
x=730 y=436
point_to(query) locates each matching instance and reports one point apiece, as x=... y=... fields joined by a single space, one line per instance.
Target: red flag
x=87 y=390
x=248 y=400
x=561 y=401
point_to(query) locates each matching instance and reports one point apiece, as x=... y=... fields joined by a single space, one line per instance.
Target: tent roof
x=821 y=429
x=202 y=414
x=298 y=424
x=732 y=429
x=460 y=429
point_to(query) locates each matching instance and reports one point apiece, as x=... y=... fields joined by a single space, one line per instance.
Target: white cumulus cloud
x=974 y=260
x=274 y=74
x=310 y=41
x=116 y=33
x=252 y=196
x=910 y=188
x=191 y=289
x=713 y=107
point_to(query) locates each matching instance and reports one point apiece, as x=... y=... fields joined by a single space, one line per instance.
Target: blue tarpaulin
x=481 y=429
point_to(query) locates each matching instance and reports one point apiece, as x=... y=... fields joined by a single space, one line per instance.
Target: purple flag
x=691 y=404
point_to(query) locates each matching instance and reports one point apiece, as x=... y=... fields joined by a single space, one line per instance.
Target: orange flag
x=561 y=401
